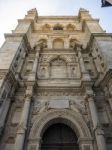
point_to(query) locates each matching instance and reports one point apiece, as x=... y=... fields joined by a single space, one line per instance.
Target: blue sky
x=11 y=10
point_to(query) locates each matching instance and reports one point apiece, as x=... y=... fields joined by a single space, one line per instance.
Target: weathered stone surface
x=60 y=104
x=56 y=70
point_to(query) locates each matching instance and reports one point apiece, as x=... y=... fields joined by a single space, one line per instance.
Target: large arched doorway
x=59 y=137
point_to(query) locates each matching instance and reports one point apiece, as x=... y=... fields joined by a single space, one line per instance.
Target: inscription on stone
x=58 y=104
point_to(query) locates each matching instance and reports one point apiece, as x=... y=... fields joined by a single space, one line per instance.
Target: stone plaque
x=58 y=104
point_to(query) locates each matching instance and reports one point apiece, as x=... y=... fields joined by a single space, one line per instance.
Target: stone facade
x=56 y=69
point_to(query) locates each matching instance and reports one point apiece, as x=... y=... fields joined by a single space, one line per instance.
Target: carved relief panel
x=43 y=71
x=58 y=66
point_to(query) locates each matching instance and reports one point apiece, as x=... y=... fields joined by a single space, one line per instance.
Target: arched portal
x=59 y=137
x=67 y=117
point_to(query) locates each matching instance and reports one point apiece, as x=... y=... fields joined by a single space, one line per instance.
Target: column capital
x=99 y=130
x=21 y=128
x=89 y=95
x=29 y=92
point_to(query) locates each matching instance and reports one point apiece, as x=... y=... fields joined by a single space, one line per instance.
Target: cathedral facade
x=56 y=84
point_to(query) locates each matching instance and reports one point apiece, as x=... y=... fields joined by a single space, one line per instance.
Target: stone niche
x=16 y=116
x=58 y=68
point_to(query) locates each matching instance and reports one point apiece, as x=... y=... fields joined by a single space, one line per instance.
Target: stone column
x=82 y=66
x=85 y=143
x=108 y=95
x=85 y=75
x=99 y=134
x=36 y=62
x=38 y=146
x=33 y=73
x=24 y=117
x=38 y=143
x=110 y=102
x=23 y=121
x=3 y=113
x=49 y=43
x=20 y=66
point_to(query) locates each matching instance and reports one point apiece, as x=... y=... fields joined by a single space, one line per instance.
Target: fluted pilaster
x=99 y=134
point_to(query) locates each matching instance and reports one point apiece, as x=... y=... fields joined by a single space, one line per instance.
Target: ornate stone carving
x=68 y=57
x=59 y=93
x=40 y=107
x=21 y=128
x=73 y=72
x=43 y=72
x=58 y=62
x=54 y=113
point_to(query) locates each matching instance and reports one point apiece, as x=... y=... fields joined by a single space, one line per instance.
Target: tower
x=56 y=84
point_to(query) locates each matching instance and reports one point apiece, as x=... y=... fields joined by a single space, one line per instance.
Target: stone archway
x=67 y=117
x=59 y=137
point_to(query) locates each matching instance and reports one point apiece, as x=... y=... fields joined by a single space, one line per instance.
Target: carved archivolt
x=69 y=117
x=58 y=62
x=46 y=27
x=70 y=27
x=68 y=58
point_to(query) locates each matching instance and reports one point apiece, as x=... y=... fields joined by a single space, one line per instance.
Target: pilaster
x=19 y=143
x=99 y=134
x=85 y=76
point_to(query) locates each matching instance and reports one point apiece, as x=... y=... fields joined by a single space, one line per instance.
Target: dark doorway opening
x=59 y=137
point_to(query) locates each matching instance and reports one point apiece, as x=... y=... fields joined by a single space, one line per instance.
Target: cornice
x=19 y=35
x=11 y=35
x=88 y=20
x=63 y=32
x=58 y=17
x=94 y=35
x=25 y=20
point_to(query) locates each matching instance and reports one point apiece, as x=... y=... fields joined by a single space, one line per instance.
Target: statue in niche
x=43 y=72
x=73 y=72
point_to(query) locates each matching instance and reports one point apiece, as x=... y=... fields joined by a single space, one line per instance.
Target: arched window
x=58 y=68
x=70 y=27
x=58 y=43
x=46 y=27
x=58 y=27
